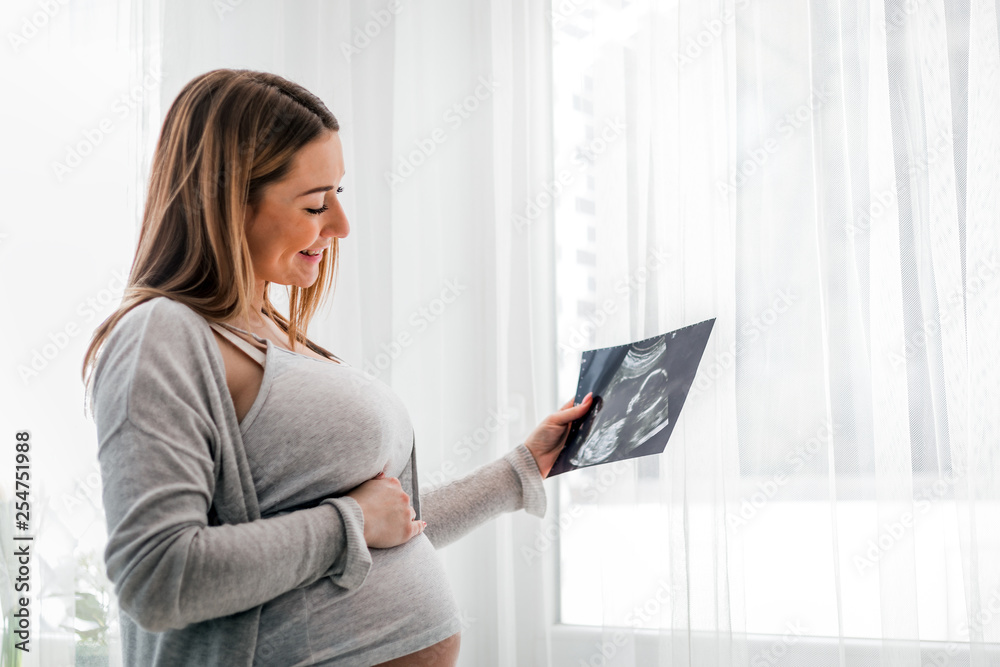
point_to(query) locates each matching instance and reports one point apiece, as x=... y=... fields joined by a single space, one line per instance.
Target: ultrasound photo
x=639 y=389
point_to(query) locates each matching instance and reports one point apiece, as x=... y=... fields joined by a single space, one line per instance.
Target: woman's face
x=290 y=217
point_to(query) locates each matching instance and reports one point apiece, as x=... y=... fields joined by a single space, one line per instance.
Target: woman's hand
x=389 y=517
x=549 y=437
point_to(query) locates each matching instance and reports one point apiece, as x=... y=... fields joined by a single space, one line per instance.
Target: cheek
x=276 y=236
x=265 y=242
x=259 y=248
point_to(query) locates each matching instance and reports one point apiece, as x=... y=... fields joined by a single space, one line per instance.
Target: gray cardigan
x=191 y=559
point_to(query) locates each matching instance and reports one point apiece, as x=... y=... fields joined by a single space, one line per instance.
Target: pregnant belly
x=404 y=604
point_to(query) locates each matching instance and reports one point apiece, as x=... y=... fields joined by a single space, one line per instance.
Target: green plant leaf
x=89 y=608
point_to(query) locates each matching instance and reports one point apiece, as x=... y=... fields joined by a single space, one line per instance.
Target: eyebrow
x=322 y=188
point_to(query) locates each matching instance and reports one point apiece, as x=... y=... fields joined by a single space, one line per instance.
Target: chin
x=304 y=284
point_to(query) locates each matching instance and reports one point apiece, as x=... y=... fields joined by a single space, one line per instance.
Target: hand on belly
x=388 y=516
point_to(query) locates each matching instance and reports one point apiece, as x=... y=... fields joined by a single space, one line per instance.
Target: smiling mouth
x=310 y=253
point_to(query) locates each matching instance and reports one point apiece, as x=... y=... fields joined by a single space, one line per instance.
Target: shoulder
x=159 y=319
x=157 y=338
x=163 y=312
x=159 y=328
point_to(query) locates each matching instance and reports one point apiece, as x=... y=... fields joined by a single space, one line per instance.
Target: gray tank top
x=318 y=429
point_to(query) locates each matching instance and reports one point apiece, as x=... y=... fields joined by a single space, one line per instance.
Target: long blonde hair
x=228 y=135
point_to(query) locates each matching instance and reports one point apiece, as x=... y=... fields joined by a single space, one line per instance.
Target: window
x=784 y=474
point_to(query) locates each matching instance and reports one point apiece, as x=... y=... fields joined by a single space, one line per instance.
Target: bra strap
x=254 y=353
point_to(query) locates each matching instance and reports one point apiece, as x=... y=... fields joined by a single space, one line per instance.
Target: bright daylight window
x=74 y=136
x=785 y=519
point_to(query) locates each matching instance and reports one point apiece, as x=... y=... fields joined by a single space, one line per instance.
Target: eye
x=317 y=211
x=340 y=189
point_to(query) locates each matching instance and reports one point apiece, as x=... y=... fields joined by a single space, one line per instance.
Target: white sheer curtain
x=445 y=121
x=70 y=128
x=823 y=177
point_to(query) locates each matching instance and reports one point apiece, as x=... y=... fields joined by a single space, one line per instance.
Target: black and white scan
x=639 y=389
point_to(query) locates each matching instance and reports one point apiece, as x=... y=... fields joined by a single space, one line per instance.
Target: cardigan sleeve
x=157 y=441
x=509 y=483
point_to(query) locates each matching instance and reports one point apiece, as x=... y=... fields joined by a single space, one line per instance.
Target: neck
x=258 y=302
x=256 y=314
x=257 y=305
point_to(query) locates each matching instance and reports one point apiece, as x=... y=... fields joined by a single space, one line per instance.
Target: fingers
x=381 y=475
x=585 y=402
x=569 y=412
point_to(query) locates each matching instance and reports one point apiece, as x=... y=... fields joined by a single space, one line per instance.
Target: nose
x=336 y=224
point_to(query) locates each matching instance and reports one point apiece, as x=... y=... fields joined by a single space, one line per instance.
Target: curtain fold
x=851 y=457
x=446 y=127
x=526 y=181
x=521 y=167
x=978 y=455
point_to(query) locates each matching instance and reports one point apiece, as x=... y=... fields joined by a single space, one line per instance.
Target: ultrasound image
x=639 y=390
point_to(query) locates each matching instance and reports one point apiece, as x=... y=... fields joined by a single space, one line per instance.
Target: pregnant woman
x=261 y=493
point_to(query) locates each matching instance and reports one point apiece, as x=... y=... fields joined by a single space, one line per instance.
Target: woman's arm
x=163 y=448
x=171 y=569
x=507 y=484
x=510 y=483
